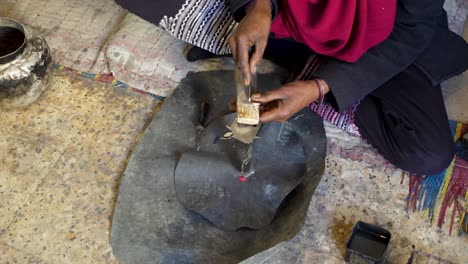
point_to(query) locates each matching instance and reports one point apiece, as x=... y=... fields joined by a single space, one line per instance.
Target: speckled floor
x=355 y=187
x=63 y=157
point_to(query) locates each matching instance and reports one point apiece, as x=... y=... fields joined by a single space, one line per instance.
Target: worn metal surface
x=151 y=226
x=25 y=73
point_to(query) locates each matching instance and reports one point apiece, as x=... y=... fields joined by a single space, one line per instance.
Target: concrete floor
x=63 y=157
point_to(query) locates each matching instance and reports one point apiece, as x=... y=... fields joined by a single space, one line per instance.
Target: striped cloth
x=343 y=120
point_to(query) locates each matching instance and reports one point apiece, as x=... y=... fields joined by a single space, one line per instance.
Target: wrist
x=322 y=89
x=259 y=7
x=326 y=88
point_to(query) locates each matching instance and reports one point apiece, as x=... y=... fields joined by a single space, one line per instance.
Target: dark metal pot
x=25 y=64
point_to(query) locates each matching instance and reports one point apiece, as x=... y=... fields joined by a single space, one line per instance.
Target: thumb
x=269 y=96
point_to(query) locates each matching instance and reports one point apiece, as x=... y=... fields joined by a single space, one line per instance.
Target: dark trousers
x=152 y=10
x=404 y=119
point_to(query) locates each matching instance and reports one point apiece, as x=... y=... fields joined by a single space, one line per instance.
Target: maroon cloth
x=341 y=29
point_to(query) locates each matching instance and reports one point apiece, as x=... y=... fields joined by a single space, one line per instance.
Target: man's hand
x=252 y=31
x=284 y=102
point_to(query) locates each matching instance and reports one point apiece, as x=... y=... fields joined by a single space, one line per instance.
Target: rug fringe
x=436 y=194
x=464 y=219
x=108 y=78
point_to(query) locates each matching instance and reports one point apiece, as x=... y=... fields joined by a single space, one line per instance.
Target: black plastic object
x=211 y=182
x=367 y=244
x=150 y=225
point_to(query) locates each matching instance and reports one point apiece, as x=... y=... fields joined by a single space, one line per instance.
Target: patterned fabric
x=203 y=23
x=343 y=120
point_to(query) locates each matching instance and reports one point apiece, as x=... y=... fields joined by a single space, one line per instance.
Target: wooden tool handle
x=248 y=112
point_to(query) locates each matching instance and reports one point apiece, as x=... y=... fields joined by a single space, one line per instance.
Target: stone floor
x=63 y=157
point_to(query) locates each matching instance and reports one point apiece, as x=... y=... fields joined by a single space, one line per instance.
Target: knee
x=425 y=159
x=130 y=6
x=120 y=3
x=421 y=146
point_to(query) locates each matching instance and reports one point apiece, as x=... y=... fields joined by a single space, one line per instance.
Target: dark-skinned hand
x=252 y=31
x=284 y=102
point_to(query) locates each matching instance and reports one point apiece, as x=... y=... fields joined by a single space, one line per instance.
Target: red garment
x=343 y=29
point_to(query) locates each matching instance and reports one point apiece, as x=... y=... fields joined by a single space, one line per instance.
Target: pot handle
x=37 y=44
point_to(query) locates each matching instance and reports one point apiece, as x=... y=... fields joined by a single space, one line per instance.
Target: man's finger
x=243 y=60
x=257 y=56
x=269 y=96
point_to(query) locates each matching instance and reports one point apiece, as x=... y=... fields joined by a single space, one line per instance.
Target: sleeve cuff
x=342 y=94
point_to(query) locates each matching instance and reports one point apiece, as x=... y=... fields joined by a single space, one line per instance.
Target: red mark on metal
x=242 y=178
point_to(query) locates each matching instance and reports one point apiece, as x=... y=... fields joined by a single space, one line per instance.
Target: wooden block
x=244 y=133
x=248 y=113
